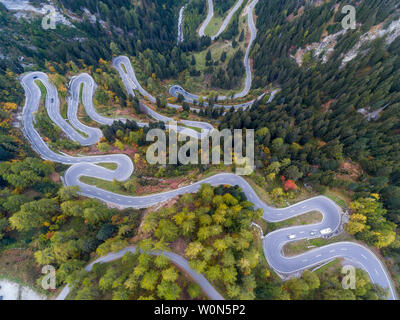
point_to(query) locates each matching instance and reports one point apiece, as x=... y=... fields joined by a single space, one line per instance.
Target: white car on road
x=326 y=231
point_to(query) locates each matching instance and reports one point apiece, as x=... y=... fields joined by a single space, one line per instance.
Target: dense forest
x=221 y=7
x=313 y=131
x=136 y=276
x=313 y=127
x=212 y=228
x=229 y=78
x=118 y=27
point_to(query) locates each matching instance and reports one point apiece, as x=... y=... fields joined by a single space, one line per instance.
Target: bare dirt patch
x=163 y=185
x=179 y=246
x=55 y=177
x=326 y=106
x=299 y=13
x=93 y=151
x=350 y=171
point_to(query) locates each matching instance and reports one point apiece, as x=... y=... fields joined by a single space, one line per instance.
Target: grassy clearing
x=340 y=199
x=295 y=248
x=216 y=50
x=307 y=218
x=190 y=127
x=214 y=25
x=63 y=109
x=106 y=185
x=298 y=247
x=81 y=93
x=108 y=165
x=201 y=84
x=43 y=91
x=329 y=267
x=123 y=68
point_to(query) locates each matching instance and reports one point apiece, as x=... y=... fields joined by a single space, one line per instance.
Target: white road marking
x=147 y=200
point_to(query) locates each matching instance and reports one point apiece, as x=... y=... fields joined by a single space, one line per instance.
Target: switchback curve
x=272 y=243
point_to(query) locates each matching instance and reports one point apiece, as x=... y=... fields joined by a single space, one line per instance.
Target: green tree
x=194 y=290
x=67 y=193
x=150 y=279
x=169 y=274
x=168 y=290
x=33 y=214
x=166 y=230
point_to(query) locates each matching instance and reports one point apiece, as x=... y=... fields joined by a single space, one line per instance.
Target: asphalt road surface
x=175 y=90
x=128 y=76
x=210 y=13
x=87 y=166
x=224 y=24
x=176 y=259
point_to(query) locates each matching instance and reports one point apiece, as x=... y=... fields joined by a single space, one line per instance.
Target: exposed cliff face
x=324 y=49
x=391 y=33
x=25 y=9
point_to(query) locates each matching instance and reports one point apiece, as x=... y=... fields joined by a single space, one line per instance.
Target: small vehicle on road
x=325 y=231
x=313 y=233
x=291 y=236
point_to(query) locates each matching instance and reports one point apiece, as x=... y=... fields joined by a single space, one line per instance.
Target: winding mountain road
x=210 y=14
x=176 y=259
x=131 y=83
x=88 y=166
x=189 y=97
x=272 y=242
